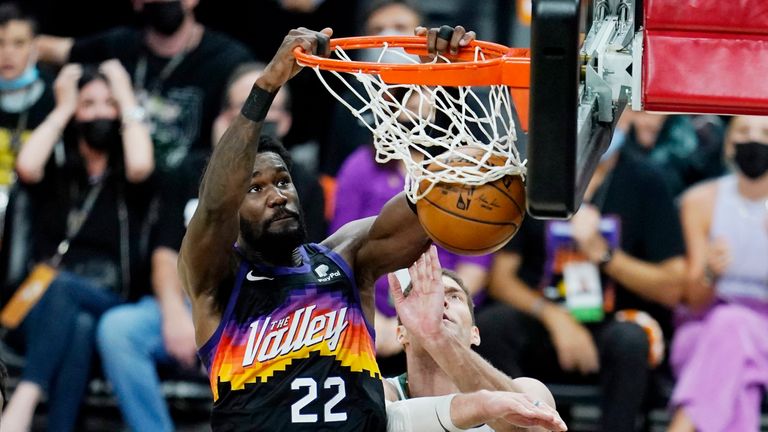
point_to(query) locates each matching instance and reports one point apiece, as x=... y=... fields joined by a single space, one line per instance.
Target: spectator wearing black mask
x=87 y=172
x=179 y=68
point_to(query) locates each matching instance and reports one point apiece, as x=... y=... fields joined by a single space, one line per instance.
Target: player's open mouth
x=445 y=318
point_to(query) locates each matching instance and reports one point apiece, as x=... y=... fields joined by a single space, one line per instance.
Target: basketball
x=472 y=220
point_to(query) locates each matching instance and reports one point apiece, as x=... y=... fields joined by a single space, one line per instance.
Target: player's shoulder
x=349 y=234
x=348 y=239
x=390 y=390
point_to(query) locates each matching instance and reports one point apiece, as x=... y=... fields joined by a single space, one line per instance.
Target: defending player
x=447 y=386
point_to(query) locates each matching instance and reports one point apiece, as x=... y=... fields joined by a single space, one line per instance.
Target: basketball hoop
x=417 y=116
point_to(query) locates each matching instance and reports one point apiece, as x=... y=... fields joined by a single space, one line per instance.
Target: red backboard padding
x=706 y=56
x=729 y=16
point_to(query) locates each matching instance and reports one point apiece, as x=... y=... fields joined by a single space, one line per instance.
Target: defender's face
x=271 y=204
x=457 y=315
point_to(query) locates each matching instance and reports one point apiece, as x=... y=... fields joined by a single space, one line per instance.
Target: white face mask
x=390 y=55
x=18 y=101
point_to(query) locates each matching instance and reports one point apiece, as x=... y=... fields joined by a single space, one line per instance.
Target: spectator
x=383 y=17
x=357 y=199
x=672 y=143
x=720 y=349
x=90 y=198
x=312 y=104
x=620 y=255
x=25 y=99
x=179 y=69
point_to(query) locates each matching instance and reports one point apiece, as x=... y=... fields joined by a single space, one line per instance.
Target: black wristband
x=411 y=205
x=257 y=105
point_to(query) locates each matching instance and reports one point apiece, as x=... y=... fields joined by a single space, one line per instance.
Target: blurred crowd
x=105 y=129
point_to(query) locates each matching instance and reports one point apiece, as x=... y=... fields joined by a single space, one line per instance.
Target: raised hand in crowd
x=120 y=83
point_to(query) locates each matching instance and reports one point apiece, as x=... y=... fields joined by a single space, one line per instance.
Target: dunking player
x=281 y=325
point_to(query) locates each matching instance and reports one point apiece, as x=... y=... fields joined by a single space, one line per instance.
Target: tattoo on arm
x=214 y=227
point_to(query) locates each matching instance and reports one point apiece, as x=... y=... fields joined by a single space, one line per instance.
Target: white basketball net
x=404 y=126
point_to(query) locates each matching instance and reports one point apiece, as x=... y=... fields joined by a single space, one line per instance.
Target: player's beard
x=275 y=246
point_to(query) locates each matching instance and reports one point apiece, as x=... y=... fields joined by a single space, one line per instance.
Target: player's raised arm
x=395 y=238
x=206 y=250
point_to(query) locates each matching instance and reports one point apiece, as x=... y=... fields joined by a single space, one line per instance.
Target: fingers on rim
x=445 y=32
x=444 y=36
x=323 y=44
x=458 y=35
x=468 y=37
x=431 y=40
x=306 y=45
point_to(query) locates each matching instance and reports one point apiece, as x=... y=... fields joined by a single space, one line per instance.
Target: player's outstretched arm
x=395 y=238
x=501 y=411
x=205 y=255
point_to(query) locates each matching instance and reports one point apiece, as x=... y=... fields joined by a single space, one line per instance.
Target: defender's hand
x=421 y=311
x=283 y=65
x=514 y=408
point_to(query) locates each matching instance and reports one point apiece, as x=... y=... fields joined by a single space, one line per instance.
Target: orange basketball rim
x=479 y=63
